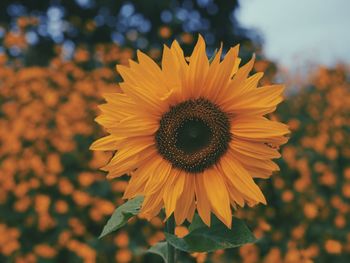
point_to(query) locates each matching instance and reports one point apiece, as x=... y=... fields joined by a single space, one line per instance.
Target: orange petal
x=238 y=85
x=259 y=129
x=129 y=153
x=151 y=206
x=173 y=191
x=134 y=126
x=217 y=194
x=158 y=175
x=240 y=178
x=142 y=96
x=256 y=167
x=122 y=103
x=184 y=202
x=139 y=178
x=198 y=69
x=170 y=68
x=258 y=101
x=218 y=80
x=108 y=143
x=243 y=73
x=257 y=150
x=153 y=71
x=221 y=80
x=203 y=205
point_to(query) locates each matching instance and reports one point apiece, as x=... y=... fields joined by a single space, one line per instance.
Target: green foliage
x=160 y=249
x=200 y=239
x=207 y=239
x=121 y=215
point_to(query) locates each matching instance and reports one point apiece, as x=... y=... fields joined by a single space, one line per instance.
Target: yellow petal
x=257 y=150
x=142 y=96
x=217 y=194
x=203 y=205
x=123 y=104
x=236 y=66
x=185 y=200
x=218 y=80
x=256 y=162
x=181 y=92
x=258 y=172
x=151 y=205
x=250 y=84
x=191 y=211
x=261 y=168
x=243 y=73
x=236 y=196
x=158 y=172
x=238 y=85
x=153 y=71
x=177 y=50
x=136 y=185
x=258 y=101
x=106 y=121
x=134 y=126
x=259 y=129
x=108 y=143
x=239 y=178
x=173 y=191
x=170 y=68
x=140 y=177
x=112 y=112
x=127 y=153
x=198 y=69
x=223 y=76
x=147 y=75
x=206 y=90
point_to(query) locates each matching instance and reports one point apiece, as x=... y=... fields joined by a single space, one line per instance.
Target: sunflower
x=192 y=133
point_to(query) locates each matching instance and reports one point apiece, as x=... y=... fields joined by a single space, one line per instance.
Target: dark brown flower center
x=193 y=135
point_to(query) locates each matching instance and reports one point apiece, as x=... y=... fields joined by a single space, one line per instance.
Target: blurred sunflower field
x=54 y=201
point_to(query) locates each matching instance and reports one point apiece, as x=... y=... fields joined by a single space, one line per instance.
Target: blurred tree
x=136 y=24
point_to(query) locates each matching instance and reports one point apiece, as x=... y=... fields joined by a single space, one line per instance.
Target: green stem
x=170 y=228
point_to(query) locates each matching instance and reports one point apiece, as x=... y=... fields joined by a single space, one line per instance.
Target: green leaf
x=207 y=239
x=160 y=249
x=122 y=214
x=197 y=222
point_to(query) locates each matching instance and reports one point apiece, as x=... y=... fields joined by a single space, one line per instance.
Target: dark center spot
x=193 y=135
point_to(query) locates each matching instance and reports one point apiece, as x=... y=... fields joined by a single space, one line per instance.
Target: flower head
x=192 y=133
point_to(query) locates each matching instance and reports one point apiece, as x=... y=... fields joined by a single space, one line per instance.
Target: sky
x=300 y=32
